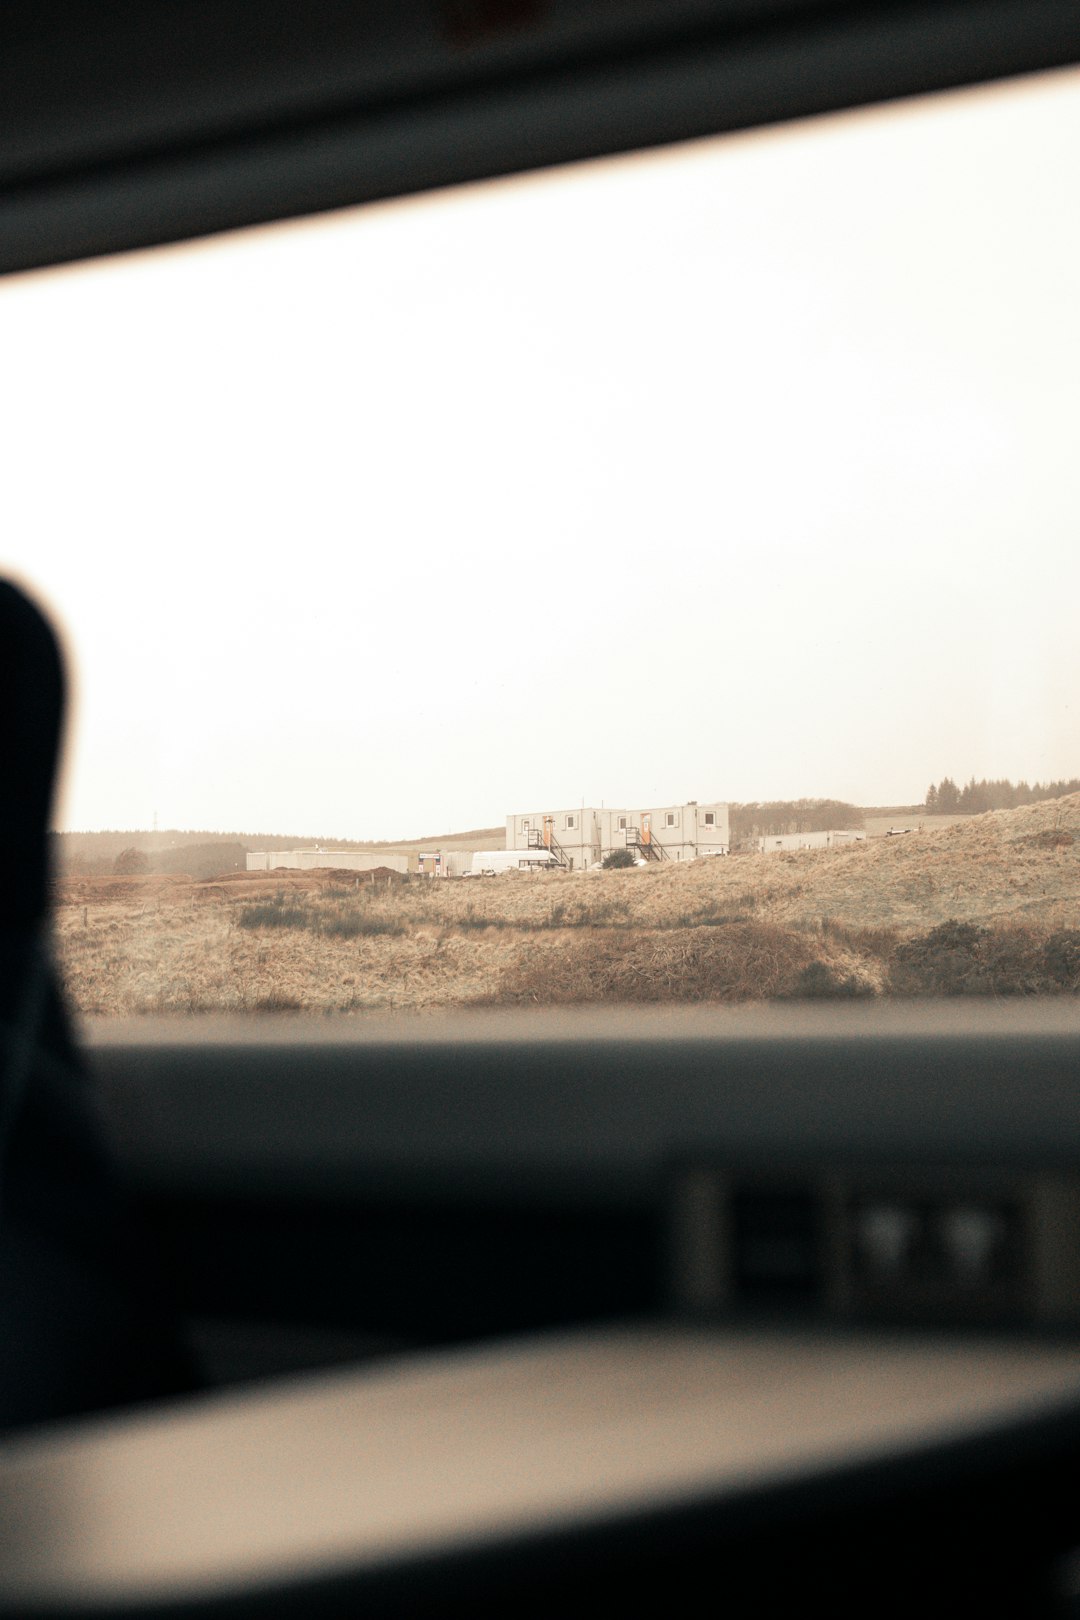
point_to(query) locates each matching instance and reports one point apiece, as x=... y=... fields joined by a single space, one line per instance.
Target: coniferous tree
x=775 y=817
x=974 y=797
x=948 y=796
x=131 y=863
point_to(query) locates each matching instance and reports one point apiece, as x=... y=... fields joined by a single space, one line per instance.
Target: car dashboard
x=499 y=1310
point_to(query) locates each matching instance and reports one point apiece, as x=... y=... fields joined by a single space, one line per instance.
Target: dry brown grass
x=854 y=921
x=739 y=962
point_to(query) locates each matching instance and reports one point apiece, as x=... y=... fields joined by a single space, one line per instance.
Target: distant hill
x=206 y=854
x=475 y=838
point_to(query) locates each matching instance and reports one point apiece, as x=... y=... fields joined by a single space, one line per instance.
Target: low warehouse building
x=808 y=840
x=307 y=860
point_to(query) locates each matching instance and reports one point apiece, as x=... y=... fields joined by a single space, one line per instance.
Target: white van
x=493 y=862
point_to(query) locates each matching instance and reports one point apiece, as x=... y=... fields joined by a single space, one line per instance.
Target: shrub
x=817 y=979
x=352 y=924
x=705 y=917
x=1015 y=963
x=1061 y=957
x=943 y=962
x=338 y=920
x=746 y=962
x=131 y=863
x=481 y=924
x=962 y=959
x=616 y=859
x=598 y=913
x=274 y=913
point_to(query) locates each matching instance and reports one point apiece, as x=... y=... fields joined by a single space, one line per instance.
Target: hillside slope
x=990 y=905
x=1015 y=865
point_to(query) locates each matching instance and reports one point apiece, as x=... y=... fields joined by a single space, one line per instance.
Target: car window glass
x=650 y=580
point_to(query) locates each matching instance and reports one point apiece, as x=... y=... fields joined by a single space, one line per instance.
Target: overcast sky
x=748 y=469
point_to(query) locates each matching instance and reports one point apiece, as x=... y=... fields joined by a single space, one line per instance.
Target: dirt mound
x=179 y=889
x=99 y=891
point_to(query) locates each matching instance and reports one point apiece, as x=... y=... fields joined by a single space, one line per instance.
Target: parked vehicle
x=494 y=862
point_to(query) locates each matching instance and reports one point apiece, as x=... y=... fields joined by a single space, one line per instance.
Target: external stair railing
x=538 y=840
x=651 y=847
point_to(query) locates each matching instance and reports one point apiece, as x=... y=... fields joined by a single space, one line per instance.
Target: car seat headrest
x=31 y=706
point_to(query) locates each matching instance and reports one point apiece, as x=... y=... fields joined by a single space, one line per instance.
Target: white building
x=582 y=837
x=808 y=840
x=307 y=860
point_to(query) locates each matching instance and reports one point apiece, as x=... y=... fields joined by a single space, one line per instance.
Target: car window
x=650 y=580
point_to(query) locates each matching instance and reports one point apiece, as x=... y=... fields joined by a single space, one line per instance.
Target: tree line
x=774 y=817
x=944 y=798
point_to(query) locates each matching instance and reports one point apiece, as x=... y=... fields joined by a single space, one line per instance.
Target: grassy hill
x=989 y=905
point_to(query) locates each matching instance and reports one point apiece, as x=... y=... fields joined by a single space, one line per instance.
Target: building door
x=549 y=831
x=646 y=828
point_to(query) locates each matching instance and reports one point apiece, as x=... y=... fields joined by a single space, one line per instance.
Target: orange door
x=646 y=829
x=549 y=829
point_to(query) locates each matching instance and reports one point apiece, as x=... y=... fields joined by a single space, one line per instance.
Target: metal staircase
x=651 y=848
x=538 y=840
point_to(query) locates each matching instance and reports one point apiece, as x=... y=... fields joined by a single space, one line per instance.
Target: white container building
x=581 y=837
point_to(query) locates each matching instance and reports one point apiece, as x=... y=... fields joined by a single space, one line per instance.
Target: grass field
x=985 y=905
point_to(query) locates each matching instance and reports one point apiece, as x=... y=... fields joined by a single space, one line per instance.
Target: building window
x=710 y=818
x=622 y=823
x=571 y=823
x=671 y=819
